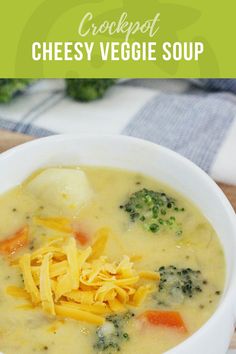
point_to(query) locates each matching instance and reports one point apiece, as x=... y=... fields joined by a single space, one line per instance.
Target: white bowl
x=164 y=165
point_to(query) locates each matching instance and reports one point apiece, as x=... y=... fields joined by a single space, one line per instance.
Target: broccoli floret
x=87 y=89
x=112 y=334
x=155 y=210
x=10 y=87
x=177 y=284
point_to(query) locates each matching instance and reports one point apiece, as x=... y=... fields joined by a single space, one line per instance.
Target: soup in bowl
x=112 y=244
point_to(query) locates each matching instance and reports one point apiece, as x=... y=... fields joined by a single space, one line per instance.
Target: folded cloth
x=201 y=128
x=216 y=84
x=198 y=124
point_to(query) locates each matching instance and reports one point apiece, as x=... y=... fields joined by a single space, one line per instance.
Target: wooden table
x=9 y=139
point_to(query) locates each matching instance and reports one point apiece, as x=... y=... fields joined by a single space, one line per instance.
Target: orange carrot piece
x=20 y=239
x=81 y=237
x=171 y=319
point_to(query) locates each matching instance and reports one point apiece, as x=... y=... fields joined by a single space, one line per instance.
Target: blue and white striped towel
x=198 y=124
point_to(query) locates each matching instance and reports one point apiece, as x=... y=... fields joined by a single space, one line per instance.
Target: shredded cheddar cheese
x=81 y=283
x=30 y=287
x=58 y=223
x=101 y=238
x=17 y=292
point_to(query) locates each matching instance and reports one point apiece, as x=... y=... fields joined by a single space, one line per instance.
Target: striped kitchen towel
x=199 y=121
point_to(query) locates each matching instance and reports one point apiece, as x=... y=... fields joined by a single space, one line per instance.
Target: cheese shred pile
x=81 y=283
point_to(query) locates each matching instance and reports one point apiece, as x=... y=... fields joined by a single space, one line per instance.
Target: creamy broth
x=189 y=243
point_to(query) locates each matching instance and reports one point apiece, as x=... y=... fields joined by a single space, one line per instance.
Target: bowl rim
x=205 y=178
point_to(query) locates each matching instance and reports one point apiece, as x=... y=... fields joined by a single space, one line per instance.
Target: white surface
x=24 y=105
x=109 y=115
x=134 y=154
x=224 y=166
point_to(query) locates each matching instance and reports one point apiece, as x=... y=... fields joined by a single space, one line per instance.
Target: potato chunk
x=65 y=189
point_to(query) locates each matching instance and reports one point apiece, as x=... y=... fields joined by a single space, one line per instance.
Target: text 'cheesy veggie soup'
x=98 y=260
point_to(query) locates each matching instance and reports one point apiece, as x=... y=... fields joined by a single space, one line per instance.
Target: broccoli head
x=87 y=89
x=10 y=87
x=111 y=335
x=155 y=210
x=177 y=284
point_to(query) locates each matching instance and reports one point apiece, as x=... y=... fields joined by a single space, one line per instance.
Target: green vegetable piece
x=111 y=336
x=177 y=284
x=146 y=206
x=10 y=87
x=87 y=89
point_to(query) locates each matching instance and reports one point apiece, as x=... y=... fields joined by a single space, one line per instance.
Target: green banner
x=117 y=38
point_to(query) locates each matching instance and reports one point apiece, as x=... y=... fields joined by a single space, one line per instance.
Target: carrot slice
x=20 y=239
x=81 y=237
x=171 y=319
